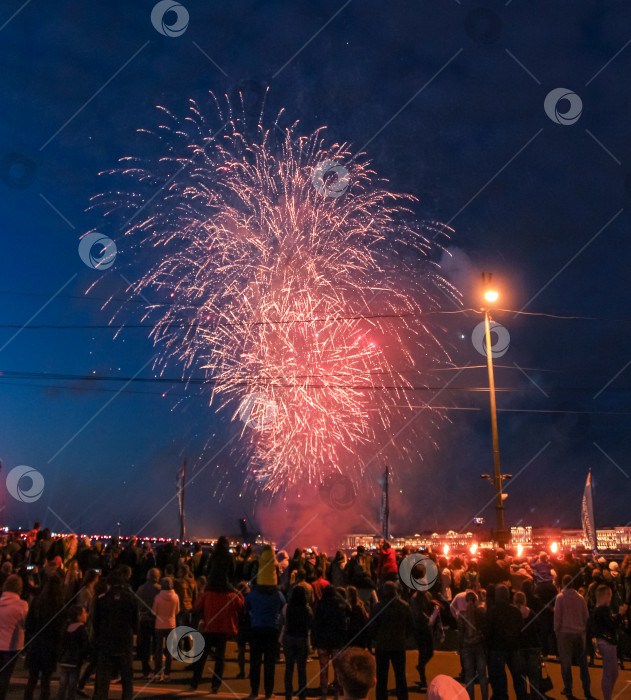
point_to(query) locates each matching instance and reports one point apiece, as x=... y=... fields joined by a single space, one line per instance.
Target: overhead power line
x=170 y=394
x=271 y=382
x=220 y=321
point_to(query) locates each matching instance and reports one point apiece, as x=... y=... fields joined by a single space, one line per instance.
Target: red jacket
x=387 y=562
x=220 y=611
x=318 y=587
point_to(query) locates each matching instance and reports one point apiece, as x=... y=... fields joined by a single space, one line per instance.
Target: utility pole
x=182 y=484
x=385 y=506
x=501 y=535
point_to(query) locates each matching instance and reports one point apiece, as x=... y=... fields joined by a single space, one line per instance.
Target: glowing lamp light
x=554 y=548
x=491 y=295
x=446 y=550
x=473 y=548
x=520 y=549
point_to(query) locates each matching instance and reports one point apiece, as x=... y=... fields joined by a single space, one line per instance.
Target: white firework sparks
x=302 y=299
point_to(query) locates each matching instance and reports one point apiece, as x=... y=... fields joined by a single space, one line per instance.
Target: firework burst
x=302 y=299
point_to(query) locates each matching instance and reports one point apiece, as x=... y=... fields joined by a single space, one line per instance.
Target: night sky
x=448 y=97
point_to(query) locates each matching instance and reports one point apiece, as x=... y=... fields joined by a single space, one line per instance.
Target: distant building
x=615 y=539
x=623 y=535
x=521 y=535
x=607 y=539
x=455 y=541
x=572 y=539
x=543 y=537
x=535 y=539
x=452 y=539
x=353 y=541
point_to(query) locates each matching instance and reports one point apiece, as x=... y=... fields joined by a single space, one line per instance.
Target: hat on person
x=266 y=574
x=446 y=688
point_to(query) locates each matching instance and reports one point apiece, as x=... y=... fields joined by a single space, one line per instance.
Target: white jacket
x=166 y=606
x=12 y=616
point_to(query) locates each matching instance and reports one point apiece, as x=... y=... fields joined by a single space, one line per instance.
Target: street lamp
x=491 y=295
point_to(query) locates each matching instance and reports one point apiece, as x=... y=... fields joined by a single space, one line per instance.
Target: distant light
x=491 y=295
x=554 y=548
x=473 y=548
x=446 y=549
x=520 y=549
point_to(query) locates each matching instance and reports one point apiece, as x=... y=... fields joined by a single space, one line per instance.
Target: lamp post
x=491 y=295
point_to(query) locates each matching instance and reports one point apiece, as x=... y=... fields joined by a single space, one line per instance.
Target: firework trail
x=302 y=298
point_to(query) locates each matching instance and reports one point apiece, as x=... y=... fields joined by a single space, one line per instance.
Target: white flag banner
x=587 y=515
x=179 y=483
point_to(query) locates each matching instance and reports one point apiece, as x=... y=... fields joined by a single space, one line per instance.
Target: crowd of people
x=81 y=608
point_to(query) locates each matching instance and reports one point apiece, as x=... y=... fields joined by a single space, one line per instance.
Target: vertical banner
x=587 y=515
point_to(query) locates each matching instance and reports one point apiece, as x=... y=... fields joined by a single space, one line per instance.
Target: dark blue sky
x=449 y=96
